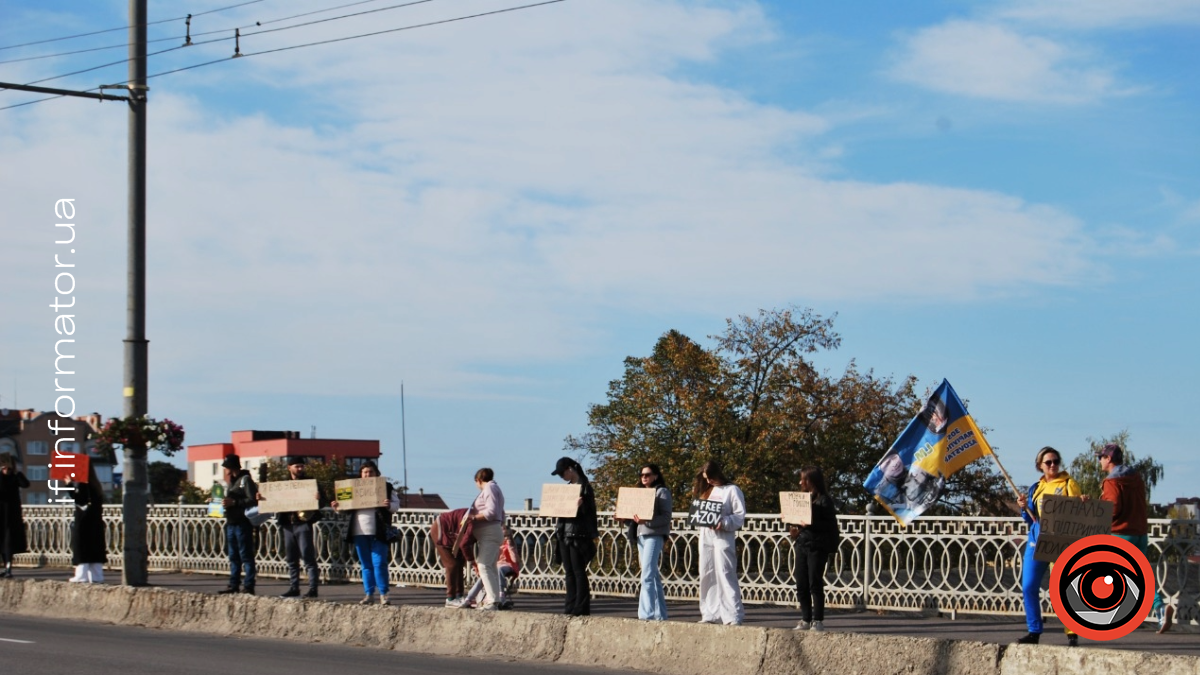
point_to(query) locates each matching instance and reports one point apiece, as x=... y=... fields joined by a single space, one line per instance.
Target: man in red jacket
x=1125 y=488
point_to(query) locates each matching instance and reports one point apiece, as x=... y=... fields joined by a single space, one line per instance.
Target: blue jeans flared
x=652 y=604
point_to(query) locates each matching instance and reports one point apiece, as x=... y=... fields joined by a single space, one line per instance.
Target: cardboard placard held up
x=70 y=467
x=633 y=501
x=560 y=500
x=795 y=508
x=288 y=496
x=705 y=512
x=1066 y=520
x=360 y=493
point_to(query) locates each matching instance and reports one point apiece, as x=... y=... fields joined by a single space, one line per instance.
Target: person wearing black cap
x=297 y=528
x=240 y=491
x=576 y=539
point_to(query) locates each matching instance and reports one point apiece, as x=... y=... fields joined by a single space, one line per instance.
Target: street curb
x=670 y=648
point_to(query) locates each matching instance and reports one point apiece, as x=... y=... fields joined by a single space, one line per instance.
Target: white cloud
x=499 y=198
x=992 y=61
x=1092 y=14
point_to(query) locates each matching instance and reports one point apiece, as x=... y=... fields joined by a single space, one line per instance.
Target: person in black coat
x=815 y=543
x=576 y=539
x=12 y=524
x=88 y=549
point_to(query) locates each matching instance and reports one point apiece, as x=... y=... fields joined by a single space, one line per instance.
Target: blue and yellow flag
x=940 y=440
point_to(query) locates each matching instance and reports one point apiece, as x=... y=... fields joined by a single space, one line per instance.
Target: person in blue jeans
x=1054 y=481
x=239 y=533
x=368 y=533
x=651 y=536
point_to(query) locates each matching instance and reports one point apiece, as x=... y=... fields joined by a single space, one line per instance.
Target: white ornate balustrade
x=969 y=565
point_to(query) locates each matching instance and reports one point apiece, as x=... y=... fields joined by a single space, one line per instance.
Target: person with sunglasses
x=650 y=536
x=1054 y=481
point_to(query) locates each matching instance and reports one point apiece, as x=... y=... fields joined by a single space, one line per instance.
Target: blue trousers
x=374 y=556
x=239 y=545
x=1032 y=573
x=652 y=603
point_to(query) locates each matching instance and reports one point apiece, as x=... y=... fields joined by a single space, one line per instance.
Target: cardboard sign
x=70 y=467
x=1066 y=520
x=795 y=508
x=705 y=513
x=288 y=496
x=560 y=500
x=633 y=501
x=360 y=493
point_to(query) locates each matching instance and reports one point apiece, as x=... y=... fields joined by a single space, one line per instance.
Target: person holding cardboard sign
x=816 y=540
x=576 y=539
x=88 y=549
x=720 y=596
x=1054 y=481
x=368 y=533
x=297 y=529
x=651 y=536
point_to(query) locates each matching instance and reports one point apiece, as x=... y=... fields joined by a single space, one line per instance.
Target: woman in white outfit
x=720 y=596
x=488 y=514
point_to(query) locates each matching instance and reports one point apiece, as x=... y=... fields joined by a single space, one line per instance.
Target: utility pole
x=136 y=554
x=136 y=493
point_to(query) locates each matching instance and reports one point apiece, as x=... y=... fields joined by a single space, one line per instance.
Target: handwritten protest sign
x=704 y=513
x=560 y=500
x=633 y=501
x=795 y=508
x=289 y=496
x=70 y=467
x=1066 y=520
x=360 y=493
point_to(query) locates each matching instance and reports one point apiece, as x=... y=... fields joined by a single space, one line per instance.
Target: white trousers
x=720 y=597
x=488 y=537
x=92 y=573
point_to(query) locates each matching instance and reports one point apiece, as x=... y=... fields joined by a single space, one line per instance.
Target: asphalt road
x=36 y=646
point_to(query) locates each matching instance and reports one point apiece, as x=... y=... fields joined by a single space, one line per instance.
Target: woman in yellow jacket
x=1054 y=481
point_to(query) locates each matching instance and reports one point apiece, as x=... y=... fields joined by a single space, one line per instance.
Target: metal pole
x=135 y=394
x=403 y=443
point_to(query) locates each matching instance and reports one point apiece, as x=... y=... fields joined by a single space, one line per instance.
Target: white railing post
x=866 y=561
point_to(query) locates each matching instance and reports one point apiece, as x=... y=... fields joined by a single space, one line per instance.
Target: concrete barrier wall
x=671 y=648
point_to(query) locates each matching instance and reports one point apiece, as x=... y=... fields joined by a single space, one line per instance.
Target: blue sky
x=497 y=211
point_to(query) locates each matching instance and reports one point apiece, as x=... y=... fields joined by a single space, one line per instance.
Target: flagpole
x=1011 y=484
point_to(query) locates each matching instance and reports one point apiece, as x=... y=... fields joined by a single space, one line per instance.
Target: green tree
x=1086 y=471
x=165 y=480
x=194 y=494
x=756 y=404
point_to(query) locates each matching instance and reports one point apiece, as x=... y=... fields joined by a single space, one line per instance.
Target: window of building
x=68 y=447
x=37 y=472
x=37 y=498
x=37 y=448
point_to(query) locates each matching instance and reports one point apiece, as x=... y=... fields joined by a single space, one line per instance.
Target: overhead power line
x=308 y=44
x=200 y=34
x=236 y=30
x=112 y=30
x=362 y=35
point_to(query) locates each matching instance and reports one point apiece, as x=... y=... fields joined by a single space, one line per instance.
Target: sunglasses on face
x=647 y=475
x=1052 y=462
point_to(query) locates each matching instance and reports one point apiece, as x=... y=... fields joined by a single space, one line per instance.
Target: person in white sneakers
x=88 y=549
x=720 y=596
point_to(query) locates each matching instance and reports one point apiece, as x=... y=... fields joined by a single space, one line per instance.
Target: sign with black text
x=704 y=513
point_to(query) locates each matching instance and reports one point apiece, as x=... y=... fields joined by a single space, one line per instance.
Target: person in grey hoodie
x=650 y=536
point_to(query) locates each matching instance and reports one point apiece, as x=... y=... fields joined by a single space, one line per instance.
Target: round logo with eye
x=1102 y=587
